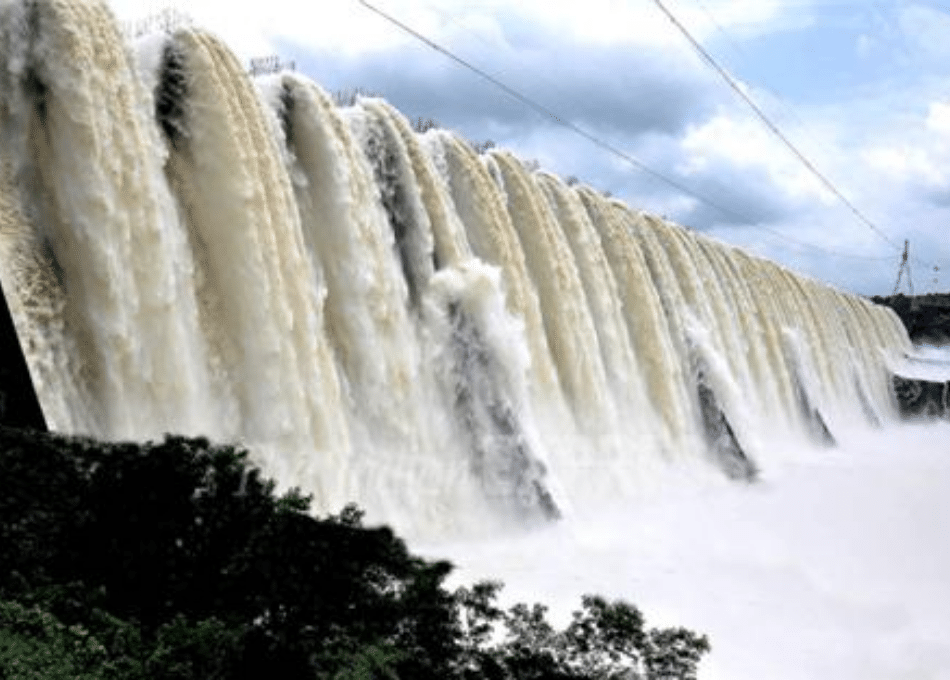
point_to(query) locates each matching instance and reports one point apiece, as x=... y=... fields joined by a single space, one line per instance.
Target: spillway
x=447 y=338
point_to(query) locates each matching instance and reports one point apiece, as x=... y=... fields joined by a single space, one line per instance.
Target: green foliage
x=374 y=662
x=604 y=641
x=674 y=654
x=182 y=649
x=34 y=644
x=608 y=640
x=176 y=560
x=189 y=545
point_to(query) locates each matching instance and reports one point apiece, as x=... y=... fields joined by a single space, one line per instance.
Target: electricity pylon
x=905 y=266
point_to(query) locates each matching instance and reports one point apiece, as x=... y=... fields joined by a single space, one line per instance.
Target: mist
x=833 y=565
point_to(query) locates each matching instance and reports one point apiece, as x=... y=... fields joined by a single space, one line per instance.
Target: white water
x=448 y=339
x=834 y=566
x=462 y=346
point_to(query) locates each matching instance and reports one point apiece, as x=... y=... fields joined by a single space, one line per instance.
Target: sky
x=861 y=90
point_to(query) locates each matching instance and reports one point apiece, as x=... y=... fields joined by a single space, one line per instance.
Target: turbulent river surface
x=833 y=566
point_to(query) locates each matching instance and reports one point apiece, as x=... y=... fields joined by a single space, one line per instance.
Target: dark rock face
x=720 y=437
x=927 y=320
x=926 y=317
x=502 y=457
x=922 y=398
x=817 y=427
x=19 y=406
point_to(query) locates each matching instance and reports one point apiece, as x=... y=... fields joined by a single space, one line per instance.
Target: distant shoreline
x=926 y=317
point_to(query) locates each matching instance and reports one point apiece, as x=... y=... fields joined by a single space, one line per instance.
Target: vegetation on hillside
x=926 y=317
x=177 y=560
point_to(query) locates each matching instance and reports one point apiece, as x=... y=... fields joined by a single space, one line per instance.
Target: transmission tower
x=905 y=266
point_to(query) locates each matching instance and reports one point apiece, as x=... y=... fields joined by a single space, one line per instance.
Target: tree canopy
x=178 y=560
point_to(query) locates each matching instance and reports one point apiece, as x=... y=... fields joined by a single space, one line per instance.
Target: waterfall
x=447 y=338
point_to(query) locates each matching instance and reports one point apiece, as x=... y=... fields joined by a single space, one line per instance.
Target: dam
x=450 y=339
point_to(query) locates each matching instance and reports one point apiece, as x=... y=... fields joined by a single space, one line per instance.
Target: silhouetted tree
x=177 y=560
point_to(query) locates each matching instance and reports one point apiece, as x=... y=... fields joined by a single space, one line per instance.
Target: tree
x=674 y=654
x=604 y=641
x=187 y=543
x=177 y=560
x=34 y=644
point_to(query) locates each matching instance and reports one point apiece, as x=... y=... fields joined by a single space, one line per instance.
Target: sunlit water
x=835 y=565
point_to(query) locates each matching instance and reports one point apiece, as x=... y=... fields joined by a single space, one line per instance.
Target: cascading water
x=448 y=339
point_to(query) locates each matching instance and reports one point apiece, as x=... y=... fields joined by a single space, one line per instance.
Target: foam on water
x=833 y=566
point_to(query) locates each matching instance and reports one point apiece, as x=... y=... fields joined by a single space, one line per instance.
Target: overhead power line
x=640 y=165
x=822 y=249
x=719 y=27
x=788 y=108
x=543 y=110
x=742 y=54
x=730 y=81
x=905 y=266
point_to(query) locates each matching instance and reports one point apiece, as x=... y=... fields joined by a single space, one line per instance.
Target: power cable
x=545 y=111
x=788 y=109
x=822 y=249
x=741 y=53
x=709 y=15
x=774 y=128
x=734 y=44
x=905 y=266
x=730 y=81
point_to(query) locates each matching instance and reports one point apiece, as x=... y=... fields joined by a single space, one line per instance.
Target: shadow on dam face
x=922 y=399
x=921 y=387
x=19 y=405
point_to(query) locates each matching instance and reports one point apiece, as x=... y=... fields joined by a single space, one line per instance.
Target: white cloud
x=927 y=30
x=917 y=156
x=938 y=118
x=745 y=143
x=352 y=28
x=865 y=45
x=904 y=163
x=623 y=72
